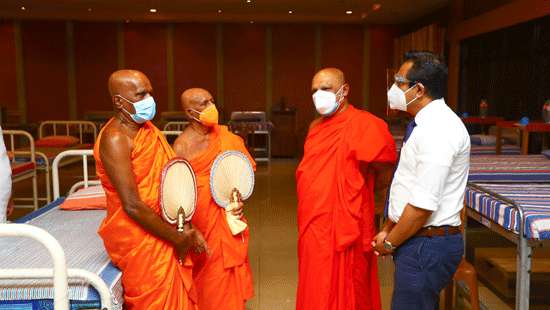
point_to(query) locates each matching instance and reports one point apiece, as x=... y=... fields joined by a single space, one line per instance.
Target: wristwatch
x=388 y=246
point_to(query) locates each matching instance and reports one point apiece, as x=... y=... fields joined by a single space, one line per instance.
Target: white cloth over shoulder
x=5 y=179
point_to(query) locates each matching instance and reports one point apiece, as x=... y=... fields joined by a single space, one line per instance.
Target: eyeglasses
x=401 y=80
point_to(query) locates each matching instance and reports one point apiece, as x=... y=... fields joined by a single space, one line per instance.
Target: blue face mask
x=145 y=109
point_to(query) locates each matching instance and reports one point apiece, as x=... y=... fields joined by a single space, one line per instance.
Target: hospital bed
x=23 y=163
x=175 y=126
x=76 y=233
x=509 y=169
x=507 y=149
x=82 y=130
x=520 y=213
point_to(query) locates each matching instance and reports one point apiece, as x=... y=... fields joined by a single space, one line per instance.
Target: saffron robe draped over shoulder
x=152 y=277
x=337 y=266
x=224 y=280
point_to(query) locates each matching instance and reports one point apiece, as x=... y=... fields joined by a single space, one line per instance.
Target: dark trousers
x=423 y=267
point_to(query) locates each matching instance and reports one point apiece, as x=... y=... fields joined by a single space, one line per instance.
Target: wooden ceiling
x=261 y=11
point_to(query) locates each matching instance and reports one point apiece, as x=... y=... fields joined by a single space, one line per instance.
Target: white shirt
x=433 y=167
x=5 y=179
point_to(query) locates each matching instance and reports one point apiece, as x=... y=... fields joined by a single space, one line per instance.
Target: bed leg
x=523 y=276
x=48 y=186
x=34 y=191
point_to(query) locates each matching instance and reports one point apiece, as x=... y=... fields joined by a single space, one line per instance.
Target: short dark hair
x=429 y=70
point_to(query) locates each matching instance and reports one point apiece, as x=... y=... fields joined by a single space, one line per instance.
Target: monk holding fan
x=225 y=279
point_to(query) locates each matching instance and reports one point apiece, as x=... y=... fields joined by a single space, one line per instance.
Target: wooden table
x=483 y=121
x=525 y=131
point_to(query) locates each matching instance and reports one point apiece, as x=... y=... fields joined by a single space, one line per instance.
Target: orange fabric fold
x=151 y=274
x=337 y=267
x=224 y=280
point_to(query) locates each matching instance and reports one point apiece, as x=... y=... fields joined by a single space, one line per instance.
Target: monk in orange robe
x=347 y=154
x=224 y=280
x=130 y=153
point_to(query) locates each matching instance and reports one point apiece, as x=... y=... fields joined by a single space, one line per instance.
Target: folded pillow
x=91 y=198
x=546 y=153
x=483 y=140
x=57 y=141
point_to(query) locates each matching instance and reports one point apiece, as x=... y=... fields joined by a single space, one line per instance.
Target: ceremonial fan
x=178 y=192
x=231 y=181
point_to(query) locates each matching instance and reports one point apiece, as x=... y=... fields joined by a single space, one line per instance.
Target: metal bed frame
x=524 y=246
x=80 y=127
x=60 y=273
x=83 y=154
x=175 y=126
x=29 y=174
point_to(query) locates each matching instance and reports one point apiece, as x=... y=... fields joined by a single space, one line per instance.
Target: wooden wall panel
x=8 y=85
x=194 y=58
x=95 y=59
x=342 y=47
x=45 y=66
x=244 y=68
x=145 y=50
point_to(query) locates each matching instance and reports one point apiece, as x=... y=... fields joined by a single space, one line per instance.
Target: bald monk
x=225 y=280
x=347 y=154
x=130 y=153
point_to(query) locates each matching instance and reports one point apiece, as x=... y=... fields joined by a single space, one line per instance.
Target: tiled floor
x=271 y=212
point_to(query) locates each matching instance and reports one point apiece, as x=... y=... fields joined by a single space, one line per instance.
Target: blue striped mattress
x=475 y=150
x=509 y=168
x=534 y=198
x=76 y=231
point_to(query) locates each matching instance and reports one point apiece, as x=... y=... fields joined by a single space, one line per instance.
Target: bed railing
x=55 y=170
x=59 y=273
x=524 y=250
x=12 y=145
x=75 y=128
x=175 y=126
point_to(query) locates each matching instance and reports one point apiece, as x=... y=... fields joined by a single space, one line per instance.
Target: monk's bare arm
x=115 y=155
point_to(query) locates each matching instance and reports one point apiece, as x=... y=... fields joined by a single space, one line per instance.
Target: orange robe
x=151 y=275
x=224 y=280
x=337 y=267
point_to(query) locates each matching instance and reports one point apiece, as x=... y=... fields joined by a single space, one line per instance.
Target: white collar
x=424 y=114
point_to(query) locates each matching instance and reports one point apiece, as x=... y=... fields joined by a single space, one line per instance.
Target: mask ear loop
x=124 y=109
x=193 y=117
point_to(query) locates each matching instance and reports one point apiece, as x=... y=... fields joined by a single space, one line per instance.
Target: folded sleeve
x=434 y=161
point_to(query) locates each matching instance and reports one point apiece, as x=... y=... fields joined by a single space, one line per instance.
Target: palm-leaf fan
x=178 y=192
x=231 y=181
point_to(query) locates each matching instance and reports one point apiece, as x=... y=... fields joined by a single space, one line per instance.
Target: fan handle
x=181 y=223
x=235 y=224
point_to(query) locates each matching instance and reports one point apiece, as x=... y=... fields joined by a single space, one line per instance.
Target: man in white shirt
x=5 y=179
x=427 y=191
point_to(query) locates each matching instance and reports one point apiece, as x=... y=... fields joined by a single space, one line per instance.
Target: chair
x=464 y=273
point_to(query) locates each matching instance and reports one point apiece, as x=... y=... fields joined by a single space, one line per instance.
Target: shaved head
x=128 y=86
x=121 y=80
x=195 y=100
x=333 y=75
x=330 y=79
x=193 y=96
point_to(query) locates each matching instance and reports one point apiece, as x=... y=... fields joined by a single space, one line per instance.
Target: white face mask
x=397 y=99
x=326 y=102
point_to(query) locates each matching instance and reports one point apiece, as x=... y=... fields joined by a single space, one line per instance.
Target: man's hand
x=378 y=244
x=239 y=210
